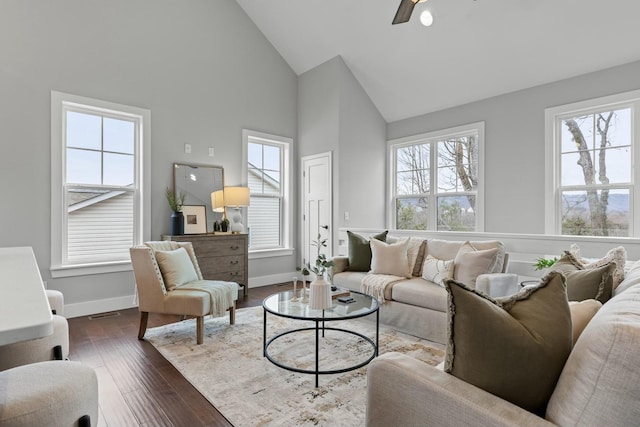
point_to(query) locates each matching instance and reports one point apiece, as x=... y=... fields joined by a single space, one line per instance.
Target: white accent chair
x=196 y=298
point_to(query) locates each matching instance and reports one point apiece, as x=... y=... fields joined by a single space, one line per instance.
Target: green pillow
x=515 y=347
x=582 y=284
x=360 y=250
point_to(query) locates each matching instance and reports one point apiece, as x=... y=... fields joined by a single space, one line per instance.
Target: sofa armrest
x=340 y=264
x=498 y=284
x=403 y=391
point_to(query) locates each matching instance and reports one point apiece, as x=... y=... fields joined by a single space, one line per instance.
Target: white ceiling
x=474 y=49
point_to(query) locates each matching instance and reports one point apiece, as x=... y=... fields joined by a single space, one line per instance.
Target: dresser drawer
x=227 y=276
x=213 y=265
x=220 y=247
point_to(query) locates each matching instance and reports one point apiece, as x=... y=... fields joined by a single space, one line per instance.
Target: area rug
x=231 y=372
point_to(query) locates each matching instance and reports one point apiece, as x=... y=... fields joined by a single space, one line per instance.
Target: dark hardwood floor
x=137 y=386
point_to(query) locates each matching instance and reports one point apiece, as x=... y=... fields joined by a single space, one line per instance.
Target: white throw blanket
x=375 y=284
x=221 y=293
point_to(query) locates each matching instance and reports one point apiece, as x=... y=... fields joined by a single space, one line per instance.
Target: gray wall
x=514 y=141
x=335 y=114
x=201 y=67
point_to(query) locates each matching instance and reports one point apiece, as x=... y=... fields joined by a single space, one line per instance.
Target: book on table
x=340 y=292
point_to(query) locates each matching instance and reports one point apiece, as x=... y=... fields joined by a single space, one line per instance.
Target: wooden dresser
x=221 y=256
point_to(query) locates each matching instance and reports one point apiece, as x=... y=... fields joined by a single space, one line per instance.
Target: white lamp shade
x=236 y=196
x=217 y=201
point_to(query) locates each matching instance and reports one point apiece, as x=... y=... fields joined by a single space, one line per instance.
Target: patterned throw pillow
x=437 y=270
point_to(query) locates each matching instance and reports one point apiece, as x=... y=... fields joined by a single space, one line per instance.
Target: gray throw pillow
x=360 y=250
x=582 y=284
x=515 y=347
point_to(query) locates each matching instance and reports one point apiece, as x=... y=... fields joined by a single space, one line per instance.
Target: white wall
x=514 y=141
x=335 y=114
x=201 y=67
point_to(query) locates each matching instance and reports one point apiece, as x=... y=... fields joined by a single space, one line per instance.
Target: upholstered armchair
x=169 y=280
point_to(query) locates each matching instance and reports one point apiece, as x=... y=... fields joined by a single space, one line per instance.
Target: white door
x=316 y=196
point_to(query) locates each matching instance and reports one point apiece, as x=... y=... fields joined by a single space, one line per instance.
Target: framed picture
x=195 y=219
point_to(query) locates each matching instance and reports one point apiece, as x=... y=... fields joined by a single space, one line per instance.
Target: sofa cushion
x=437 y=270
x=600 y=383
x=514 y=348
x=594 y=283
x=360 y=250
x=390 y=259
x=470 y=262
x=617 y=255
x=581 y=313
x=447 y=249
x=420 y=293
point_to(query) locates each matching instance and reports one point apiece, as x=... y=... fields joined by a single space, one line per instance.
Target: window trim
x=430 y=137
x=59 y=104
x=553 y=117
x=286 y=224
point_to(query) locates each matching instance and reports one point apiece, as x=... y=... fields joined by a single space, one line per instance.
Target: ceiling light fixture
x=426 y=18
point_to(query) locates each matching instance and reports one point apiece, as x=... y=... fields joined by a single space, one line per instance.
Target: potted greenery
x=542 y=263
x=177 y=219
x=319 y=289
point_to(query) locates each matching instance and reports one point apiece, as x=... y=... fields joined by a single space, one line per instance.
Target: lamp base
x=236 y=224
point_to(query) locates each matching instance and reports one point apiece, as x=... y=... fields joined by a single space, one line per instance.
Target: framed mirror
x=197 y=182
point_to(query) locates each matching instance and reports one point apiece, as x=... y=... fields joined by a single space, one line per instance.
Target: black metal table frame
x=318 y=328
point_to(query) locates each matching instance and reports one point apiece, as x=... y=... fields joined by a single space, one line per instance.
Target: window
x=97 y=184
x=590 y=184
x=436 y=181
x=267 y=172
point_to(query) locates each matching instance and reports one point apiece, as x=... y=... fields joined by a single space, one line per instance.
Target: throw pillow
x=417 y=266
x=469 y=263
x=514 y=348
x=360 y=250
x=581 y=314
x=617 y=255
x=176 y=267
x=390 y=258
x=594 y=283
x=437 y=270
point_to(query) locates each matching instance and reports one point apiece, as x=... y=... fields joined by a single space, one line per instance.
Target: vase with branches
x=319 y=289
x=177 y=218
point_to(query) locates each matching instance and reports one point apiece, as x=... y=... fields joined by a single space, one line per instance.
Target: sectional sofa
x=598 y=383
x=412 y=302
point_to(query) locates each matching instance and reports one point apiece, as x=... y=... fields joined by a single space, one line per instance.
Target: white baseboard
x=121 y=303
x=256 y=282
x=98 y=306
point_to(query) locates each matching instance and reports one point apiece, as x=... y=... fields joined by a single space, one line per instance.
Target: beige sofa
x=417 y=306
x=599 y=384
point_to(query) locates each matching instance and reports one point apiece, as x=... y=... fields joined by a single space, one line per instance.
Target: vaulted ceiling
x=475 y=49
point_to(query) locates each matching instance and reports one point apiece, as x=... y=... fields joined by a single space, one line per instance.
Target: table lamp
x=236 y=198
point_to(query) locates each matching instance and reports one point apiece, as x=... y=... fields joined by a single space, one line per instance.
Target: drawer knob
x=234 y=262
x=235 y=247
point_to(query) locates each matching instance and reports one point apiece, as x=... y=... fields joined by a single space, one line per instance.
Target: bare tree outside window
x=596 y=173
x=454 y=188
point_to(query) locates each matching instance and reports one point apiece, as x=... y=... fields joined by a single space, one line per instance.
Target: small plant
x=322 y=264
x=542 y=263
x=175 y=203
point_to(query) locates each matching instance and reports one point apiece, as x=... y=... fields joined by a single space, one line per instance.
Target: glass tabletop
x=280 y=304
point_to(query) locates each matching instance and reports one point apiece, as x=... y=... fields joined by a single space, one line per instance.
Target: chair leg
x=199 y=329
x=84 y=421
x=144 y=316
x=232 y=314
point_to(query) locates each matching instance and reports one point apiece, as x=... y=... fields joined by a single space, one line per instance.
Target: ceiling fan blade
x=404 y=11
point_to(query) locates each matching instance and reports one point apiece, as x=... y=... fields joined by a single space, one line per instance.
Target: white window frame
x=553 y=129
x=286 y=207
x=60 y=103
x=432 y=138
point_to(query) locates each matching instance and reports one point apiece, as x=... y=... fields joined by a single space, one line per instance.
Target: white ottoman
x=57 y=393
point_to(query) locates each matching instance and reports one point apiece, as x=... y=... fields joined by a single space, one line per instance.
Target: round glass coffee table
x=280 y=304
